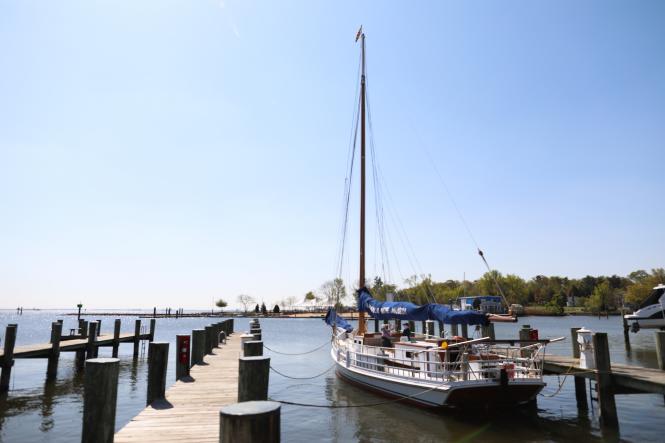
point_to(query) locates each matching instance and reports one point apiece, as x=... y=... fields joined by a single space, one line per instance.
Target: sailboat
x=427 y=370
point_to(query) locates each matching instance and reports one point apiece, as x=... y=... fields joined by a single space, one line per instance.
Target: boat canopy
x=384 y=310
x=332 y=319
x=654 y=297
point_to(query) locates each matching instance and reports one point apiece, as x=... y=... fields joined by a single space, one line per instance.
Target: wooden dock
x=626 y=379
x=44 y=350
x=191 y=409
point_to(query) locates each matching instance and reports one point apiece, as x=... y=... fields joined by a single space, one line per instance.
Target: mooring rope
x=565 y=376
x=302 y=378
x=297 y=353
x=363 y=405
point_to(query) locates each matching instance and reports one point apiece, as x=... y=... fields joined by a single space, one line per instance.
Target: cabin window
x=409 y=354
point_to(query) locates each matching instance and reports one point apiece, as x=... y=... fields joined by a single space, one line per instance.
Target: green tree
x=602 y=298
x=264 y=310
x=257 y=308
x=275 y=310
x=221 y=304
x=334 y=291
x=310 y=296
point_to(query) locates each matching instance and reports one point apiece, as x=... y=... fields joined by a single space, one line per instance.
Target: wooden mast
x=361 y=278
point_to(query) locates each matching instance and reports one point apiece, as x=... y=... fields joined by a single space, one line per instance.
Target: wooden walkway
x=626 y=379
x=44 y=350
x=191 y=409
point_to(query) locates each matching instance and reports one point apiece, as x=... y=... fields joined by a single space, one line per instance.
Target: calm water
x=37 y=411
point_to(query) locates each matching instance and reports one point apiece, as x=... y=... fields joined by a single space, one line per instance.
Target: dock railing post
x=608 y=409
x=8 y=358
x=54 y=355
x=100 y=396
x=158 y=355
x=253 y=421
x=253 y=377
x=153 y=323
x=83 y=328
x=182 y=355
x=198 y=346
x=215 y=335
x=91 y=348
x=116 y=337
x=137 y=337
x=580 y=382
x=252 y=348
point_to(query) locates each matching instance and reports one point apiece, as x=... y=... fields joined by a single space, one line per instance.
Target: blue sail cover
x=384 y=310
x=332 y=319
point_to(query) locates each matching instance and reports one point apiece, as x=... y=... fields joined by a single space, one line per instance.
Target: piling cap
x=250 y=408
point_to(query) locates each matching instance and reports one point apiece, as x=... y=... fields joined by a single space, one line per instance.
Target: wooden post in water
x=208 y=342
x=99 y=327
x=253 y=421
x=660 y=349
x=182 y=355
x=198 y=346
x=252 y=348
x=91 y=348
x=116 y=337
x=158 y=355
x=83 y=328
x=8 y=358
x=137 y=337
x=253 y=376
x=626 y=331
x=608 y=409
x=54 y=356
x=153 y=323
x=580 y=382
x=100 y=396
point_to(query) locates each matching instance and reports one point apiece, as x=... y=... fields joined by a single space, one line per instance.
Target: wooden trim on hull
x=477 y=397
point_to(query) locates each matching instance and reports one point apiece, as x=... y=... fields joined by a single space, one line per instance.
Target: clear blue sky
x=172 y=152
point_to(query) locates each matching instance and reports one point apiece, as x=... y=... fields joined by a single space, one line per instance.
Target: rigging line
x=297 y=353
x=423 y=146
x=349 y=163
x=302 y=378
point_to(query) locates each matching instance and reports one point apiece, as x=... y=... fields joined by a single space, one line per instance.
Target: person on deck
x=407 y=332
x=385 y=336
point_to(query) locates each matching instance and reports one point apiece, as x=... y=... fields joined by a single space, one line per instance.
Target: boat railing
x=480 y=362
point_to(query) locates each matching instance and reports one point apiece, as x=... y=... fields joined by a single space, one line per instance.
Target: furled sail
x=332 y=319
x=384 y=310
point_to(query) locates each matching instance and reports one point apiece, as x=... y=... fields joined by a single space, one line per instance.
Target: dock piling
x=137 y=337
x=252 y=348
x=153 y=323
x=158 y=354
x=608 y=409
x=99 y=400
x=198 y=346
x=116 y=337
x=8 y=359
x=626 y=331
x=54 y=356
x=580 y=383
x=249 y=422
x=208 y=342
x=253 y=376
x=660 y=349
x=91 y=348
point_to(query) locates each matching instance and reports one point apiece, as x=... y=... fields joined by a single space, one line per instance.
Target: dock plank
x=191 y=410
x=43 y=350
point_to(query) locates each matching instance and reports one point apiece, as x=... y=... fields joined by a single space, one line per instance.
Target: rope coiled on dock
x=296 y=353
